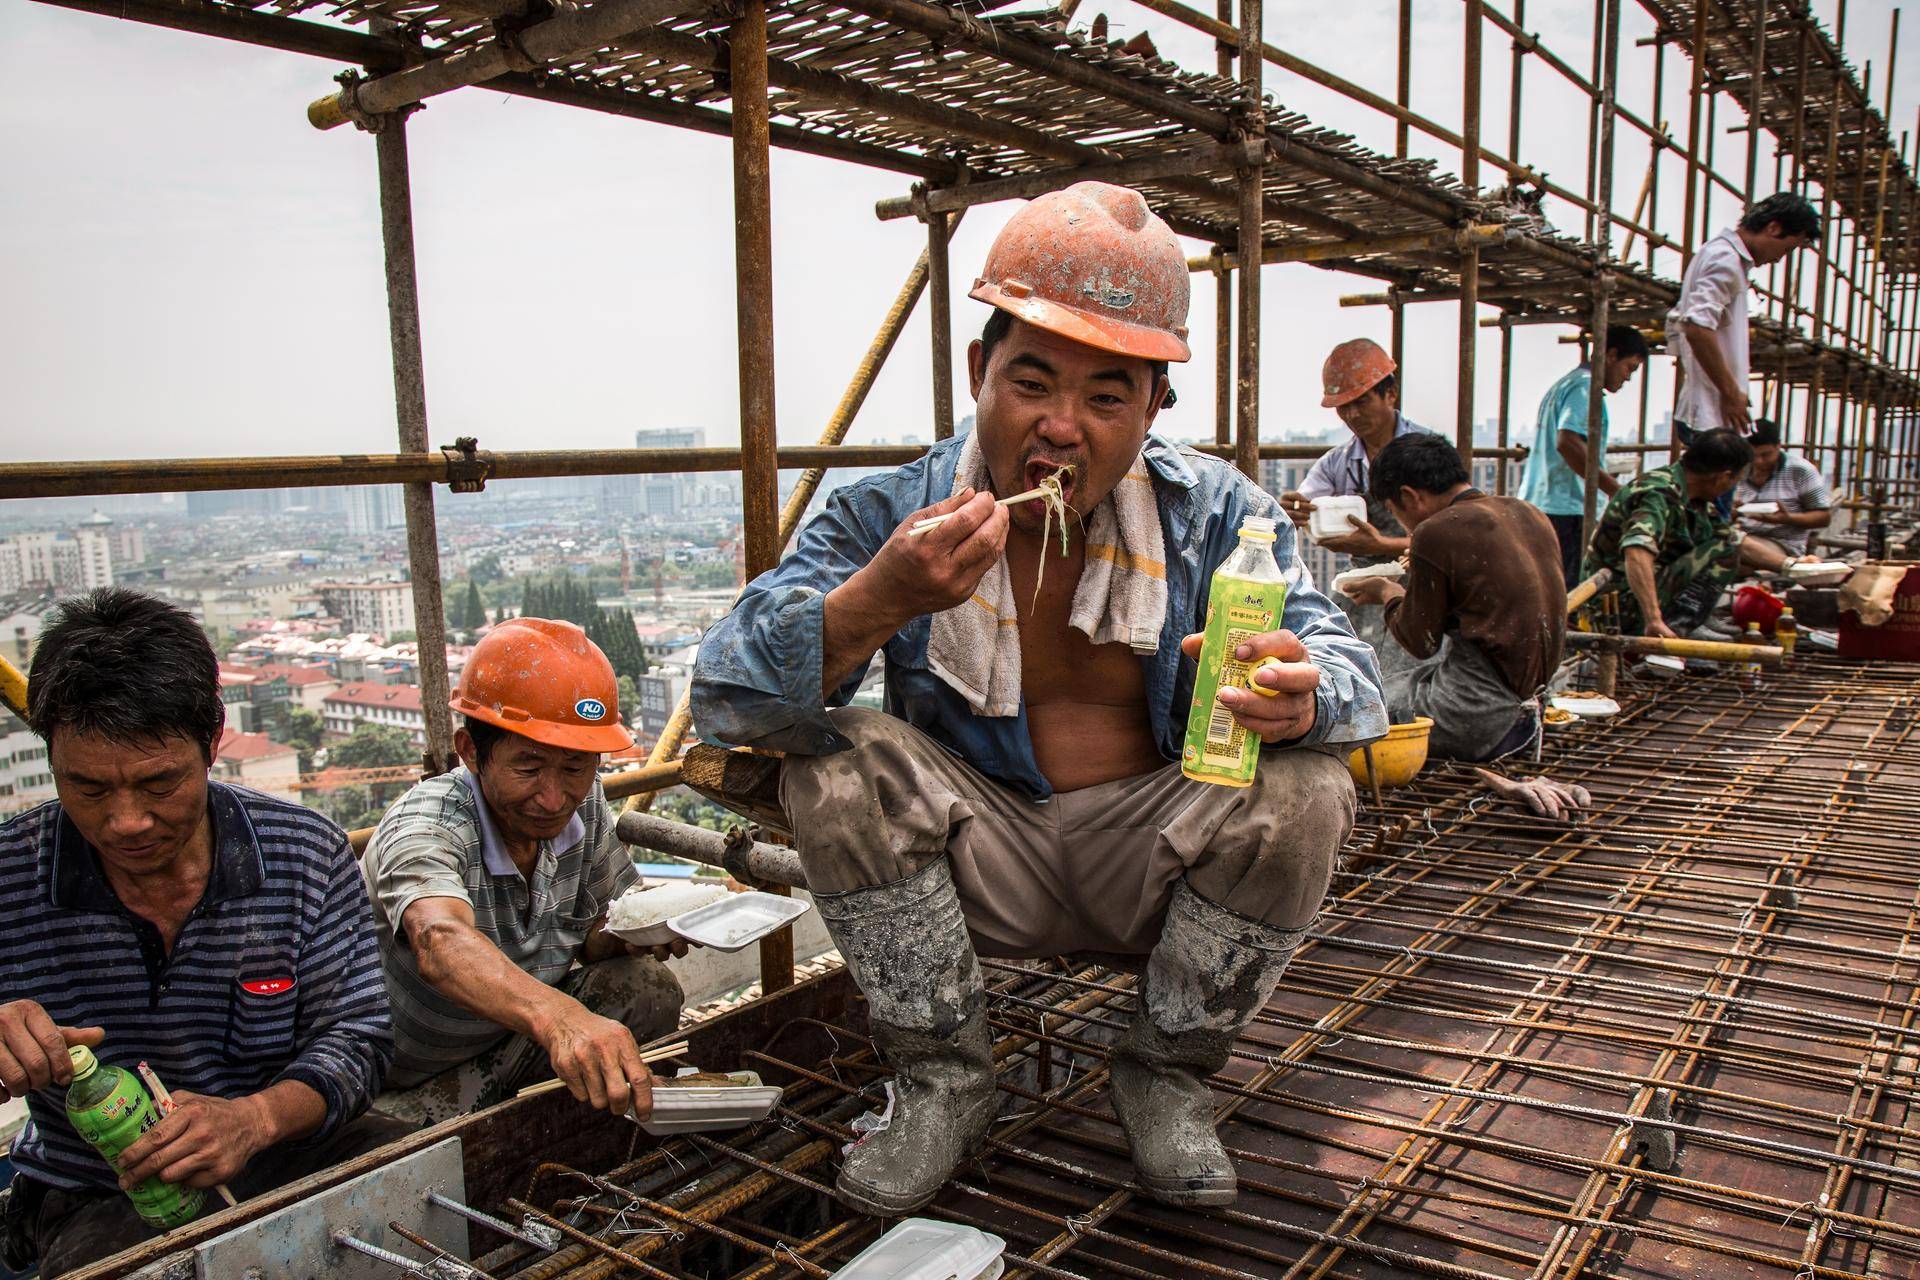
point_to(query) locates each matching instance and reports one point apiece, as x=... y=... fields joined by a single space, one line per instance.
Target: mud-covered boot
x=908 y=948
x=1209 y=974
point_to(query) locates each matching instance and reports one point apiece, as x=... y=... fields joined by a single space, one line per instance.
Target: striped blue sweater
x=275 y=975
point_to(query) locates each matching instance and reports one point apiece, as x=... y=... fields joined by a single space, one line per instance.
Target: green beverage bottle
x=110 y=1108
x=1247 y=597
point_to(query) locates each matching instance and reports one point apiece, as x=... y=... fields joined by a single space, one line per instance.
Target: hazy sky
x=191 y=269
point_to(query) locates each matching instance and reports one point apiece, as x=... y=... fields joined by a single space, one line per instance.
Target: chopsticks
x=657 y=1054
x=163 y=1099
x=934 y=522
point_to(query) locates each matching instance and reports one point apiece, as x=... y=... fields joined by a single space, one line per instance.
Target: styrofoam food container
x=1665 y=662
x=1335 y=516
x=738 y=919
x=1757 y=508
x=700 y=1107
x=1391 y=569
x=660 y=931
x=1587 y=708
x=925 y=1249
x=1819 y=573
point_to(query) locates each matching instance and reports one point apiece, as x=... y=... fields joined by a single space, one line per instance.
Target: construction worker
x=490 y=888
x=216 y=934
x=1707 y=328
x=1021 y=794
x=1660 y=535
x=1556 y=476
x=1359 y=382
x=1477 y=631
x=1795 y=486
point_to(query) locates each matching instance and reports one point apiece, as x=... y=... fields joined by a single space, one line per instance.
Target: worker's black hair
x=1624 y=340
x=1386 y=385
x=128 y=667
x=1715 y=451
x=1000 y=324
x=1796 y=216
x=1418 y=460
x=485 y=737
x=1765 y=431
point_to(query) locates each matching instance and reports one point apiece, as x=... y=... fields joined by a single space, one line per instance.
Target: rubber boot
x=1209 y=974
x=908 y=948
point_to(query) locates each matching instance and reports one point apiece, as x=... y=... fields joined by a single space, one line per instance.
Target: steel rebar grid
x=1360 y=1155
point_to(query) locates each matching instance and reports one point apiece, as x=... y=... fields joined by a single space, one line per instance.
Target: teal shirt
x=1549 y=483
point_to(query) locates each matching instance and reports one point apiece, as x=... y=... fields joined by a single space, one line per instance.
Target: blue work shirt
x=275 y=974
x=757 y=681
x=1549 y=483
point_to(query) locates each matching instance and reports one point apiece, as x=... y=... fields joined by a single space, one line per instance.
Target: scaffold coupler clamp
x=734 y=856
x=467 y=469
x=345 y=106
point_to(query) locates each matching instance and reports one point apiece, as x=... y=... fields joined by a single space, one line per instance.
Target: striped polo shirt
x=440 y=841
x=275 y=974
x=1797 y=486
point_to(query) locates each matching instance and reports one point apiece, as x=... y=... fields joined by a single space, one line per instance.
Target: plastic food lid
x=926 y=1249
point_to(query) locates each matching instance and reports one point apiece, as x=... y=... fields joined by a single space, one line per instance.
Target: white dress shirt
x=1713 y=295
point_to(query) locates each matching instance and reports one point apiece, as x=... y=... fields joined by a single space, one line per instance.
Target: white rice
x=641 y=906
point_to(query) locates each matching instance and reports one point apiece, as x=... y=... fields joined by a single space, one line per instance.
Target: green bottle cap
x=83 y=1061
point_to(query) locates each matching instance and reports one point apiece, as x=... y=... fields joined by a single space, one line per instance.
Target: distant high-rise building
x=673 y=493
x=382 y=608
x=77 y=563
x=128 y=542
x=375 y=508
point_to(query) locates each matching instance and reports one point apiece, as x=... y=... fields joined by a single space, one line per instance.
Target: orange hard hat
x=1092 y=263
x=546 y=681
x=1353 y=368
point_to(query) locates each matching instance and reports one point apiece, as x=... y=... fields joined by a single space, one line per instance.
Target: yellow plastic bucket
x=1397 y=758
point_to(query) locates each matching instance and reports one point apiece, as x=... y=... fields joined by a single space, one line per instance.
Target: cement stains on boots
x=908 y=948
x=1210 y=973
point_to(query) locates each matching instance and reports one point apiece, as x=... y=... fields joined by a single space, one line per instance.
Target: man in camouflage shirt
x=1659 y=533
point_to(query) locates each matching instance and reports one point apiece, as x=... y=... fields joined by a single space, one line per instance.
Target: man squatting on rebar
x=1021 y=796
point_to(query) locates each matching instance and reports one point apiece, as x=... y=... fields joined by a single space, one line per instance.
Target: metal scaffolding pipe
x=410 y=412
x=749 y=861
x=570 y=32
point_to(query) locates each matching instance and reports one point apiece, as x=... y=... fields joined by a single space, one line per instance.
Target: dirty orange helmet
x=546 y=681
x=1092 y=263
x=1353 y=368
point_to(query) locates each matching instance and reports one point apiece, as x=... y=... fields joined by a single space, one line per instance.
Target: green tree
x=486 y=570
x=370 y=746
x=304 y=727
x=629 y=698
x=474 y=616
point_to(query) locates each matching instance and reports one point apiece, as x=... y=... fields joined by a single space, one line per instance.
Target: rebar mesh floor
x=1675 y=1037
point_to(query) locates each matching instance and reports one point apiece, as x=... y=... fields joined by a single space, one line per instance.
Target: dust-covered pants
x=1459 y=689
x=637 y=991
x=1088 y=871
